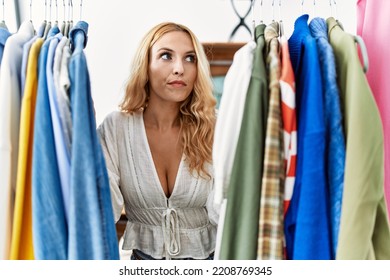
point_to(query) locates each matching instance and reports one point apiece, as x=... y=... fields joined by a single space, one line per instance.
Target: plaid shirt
x=270 y=238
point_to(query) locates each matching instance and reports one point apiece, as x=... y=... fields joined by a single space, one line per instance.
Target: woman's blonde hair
x=197 y=112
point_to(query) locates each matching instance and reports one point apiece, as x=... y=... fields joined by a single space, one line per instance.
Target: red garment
x=287 y=87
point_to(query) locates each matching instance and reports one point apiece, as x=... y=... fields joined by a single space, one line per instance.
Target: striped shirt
x=287 y=88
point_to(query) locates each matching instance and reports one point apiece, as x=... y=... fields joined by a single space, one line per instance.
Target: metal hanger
x=81 y=9
x=273 y=10
x=69 y=23
x=2 y=23
x=48 y=22
x=63 y=24
x=261 y=11
x=281 y=26
x=334 y=9
x=56 y=19
x=314 y=8
x=358 y=40
x=253 y=20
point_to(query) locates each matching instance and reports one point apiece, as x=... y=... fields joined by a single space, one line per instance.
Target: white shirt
x=181 y=226
x=229 y=119
x=10 y=102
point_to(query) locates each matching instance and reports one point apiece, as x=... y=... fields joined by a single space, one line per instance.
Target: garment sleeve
x=107 y=135
x=212 y=207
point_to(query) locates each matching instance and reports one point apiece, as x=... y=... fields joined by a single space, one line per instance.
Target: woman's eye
x=166 y=56
x=190 y=58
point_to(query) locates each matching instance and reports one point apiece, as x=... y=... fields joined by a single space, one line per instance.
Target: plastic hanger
x=363 y=50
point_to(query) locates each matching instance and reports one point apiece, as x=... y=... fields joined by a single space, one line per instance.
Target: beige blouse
x=181 y=226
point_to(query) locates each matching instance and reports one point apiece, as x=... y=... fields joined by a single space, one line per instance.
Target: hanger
x=314 y=8
x=56 y=20
x=281 y=27
x=273 y=10
x=358 y=40
x=69 y=23
x=261 y=12
x=62 y=29
x=2 y=23
x=81 y=9
x=253 y=20
x=242 y=20
x=48 y=23
x=363 y=50
x=334 y=9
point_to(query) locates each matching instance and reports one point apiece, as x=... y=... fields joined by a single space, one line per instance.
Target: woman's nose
x=178 y=68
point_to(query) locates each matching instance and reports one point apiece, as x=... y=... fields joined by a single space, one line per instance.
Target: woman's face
x=172 y=67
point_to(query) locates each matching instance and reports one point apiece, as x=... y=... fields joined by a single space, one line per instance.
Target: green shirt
x=364 y=229
x=240 y=230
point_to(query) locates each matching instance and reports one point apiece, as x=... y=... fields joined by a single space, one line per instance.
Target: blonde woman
x=158 y=149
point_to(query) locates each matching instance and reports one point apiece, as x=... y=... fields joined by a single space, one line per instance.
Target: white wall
x=117 y=26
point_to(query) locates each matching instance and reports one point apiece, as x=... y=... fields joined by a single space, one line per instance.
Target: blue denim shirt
x=4 y=34
x=335 y=140
x=63 y=157
x=50 y=233
x=92 y=233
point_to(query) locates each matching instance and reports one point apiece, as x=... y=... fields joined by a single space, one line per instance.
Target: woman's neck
x=162 y=118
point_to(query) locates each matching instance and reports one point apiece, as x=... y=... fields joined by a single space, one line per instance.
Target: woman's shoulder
x=118 y=117
x=119 y=121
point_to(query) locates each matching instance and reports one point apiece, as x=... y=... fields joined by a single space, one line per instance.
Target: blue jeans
x=139 y=255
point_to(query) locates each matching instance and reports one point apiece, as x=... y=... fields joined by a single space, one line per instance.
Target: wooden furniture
x=220 y=56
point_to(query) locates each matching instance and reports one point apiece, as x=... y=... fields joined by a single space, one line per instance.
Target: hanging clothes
x=228 y=126
x=373 y=26
x=62 y=86
x=10 y=101
x=240 y=229
x=63 y=157
x=25 y=57
x=287 y=89
x=90 y=198
x=22 y=240
x=307 y=221
x=271 y=236
x=364 y=228
x=335 y=140
x=50 y=230
x=4 y=34
x=229 y=117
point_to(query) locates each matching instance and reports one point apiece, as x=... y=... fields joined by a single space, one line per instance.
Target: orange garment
x=287 y=86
